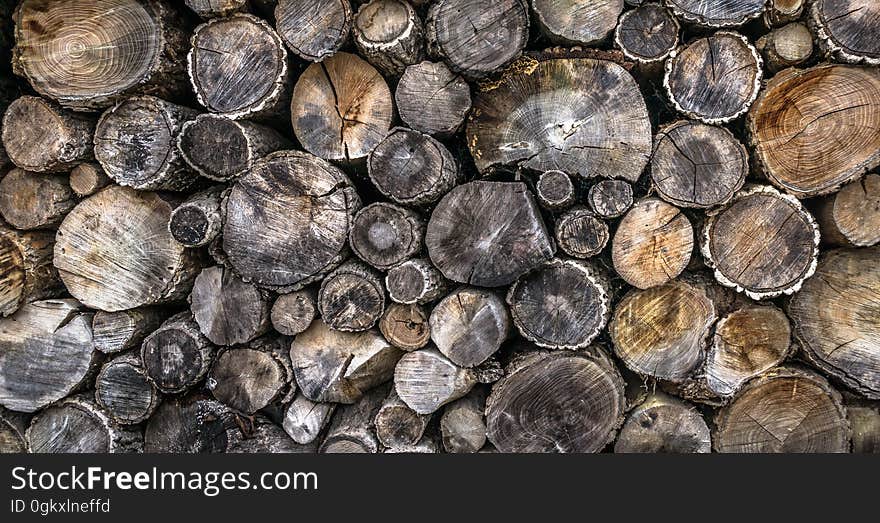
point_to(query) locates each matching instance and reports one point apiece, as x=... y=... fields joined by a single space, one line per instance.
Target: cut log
x=864 y=419
x=652 y=244
x=351 y=298
x=415 y=281
x=101 y=253
x=463 y=424
x=847 y=29
x=12 y=432
x=341 y=108
x=207 y=9
x=432 y=99
x=476 y=39
x=580 y=115
x=197 y=221
x=714 y=79
x=228 y=310
x=697 y=165
x=40 y=136
x=287 y=220
x=26 y=270
x=397 y=425
x=220 y=148
x=469 y=325
x=664 y=424
x=136 y=144
x=647 y=34
x=78 y=425
x=426 y=380
x=555 y=190
x=747 y=342
x=314 y=29
x=430 y=444
x=763 y=243
x=248 y=379
x=30 y=200
x=556 y=402
x=293 y=313
x=124 y=390
x=785 y=410
x=90 y=54
x=384 y=235
x=570 y=22
x=580 y=234
x=406 y=326
x=610 y=198
x=389 y=34
x=46 y=352
x=564 y=304
x=662 y=332
x=781 y=12
x=815 y=129
x=851 y=217
x=835 y=318
x=189 y=424
x=717 y=14
x=487 y=234
x=119 y=331
x=339 y=367
x=411 y=168
x=177 y=356
x=352 y=430
x=263 y=436
x=88 y=178
x=305 y=419
x=786 y=46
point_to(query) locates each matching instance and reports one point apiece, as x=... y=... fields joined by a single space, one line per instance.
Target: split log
x=40 y=136
x=341 y=108
x=781 y=12
x=406 y=326
x=31 y=200
x=384 y=235
x=763 y=243
x=556 y=402
x=847 y=29
x=221 y=149
x=426 y=380
x=463 y=424
x=785 y=410
x=216 y=8
x=664 y=424
x=389 y=34
x=652 y=244
x=555 y=190
x=662 y=332
x=12 y=432
x=717 y=14
x=697 y=165
x=314 y=29
x=411 y=168
x=197 y=221
x=78 y=425
x=580 y=234
x=336 y=366
x=476 y=39
x=189 y=424
x=487 y=234
x=552 y=116
x=101 y=253
x=415 y=281
x=564 y=304
x=248 y=379
x=293 y=313
x=815 y=129
x=88 y=178
x=120 y=331
x=177 y=356
x=26 y=270
x=714 y=79
x=786 y=46
x=228 y=310
x=262 y=436
x=429 y=444
x=851 y=216
x=575 y=22
x=647 y=34
x=432 y=99
x=46 y=352
x=351 y=298
x=610 y=198
x=864 y=419
x=469 y=325
x=834 y=318
x=305 y=419
x=352 y=430
x=136 y=144
x=397 y=425
x=124 y=390
x=287 y=220
x=90 y=54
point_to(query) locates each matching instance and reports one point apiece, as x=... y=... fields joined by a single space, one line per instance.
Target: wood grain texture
x=577 y=21
x=647 y=34
x=177 y=356
x=385 y=235
x=12 y=431
x=215 y=8
x=77 y=425
x=314 y=29
x=124 y=391
x=555 y=190
x=579 y=233
x=88 y=178
x=352 y=297
x=292 y=313
x=115 y=332
x=432 y=99
x=352 y=429
x=724 y=13
x=851 y=216
x=397 y=425
x=31 y=200
x=426 y=380
x=786 y=46
x=463 y=423
x=263 y=436
x=846 y=29
x=194 y=423
x=390 y=35
x=406 y=326
x=666 y=425
x=26 y=270
x=198 y=220
x=469 y=325
x=610 y=198
x=228 y=310
x=250 y=378
x=415 y=281
x=304 y=419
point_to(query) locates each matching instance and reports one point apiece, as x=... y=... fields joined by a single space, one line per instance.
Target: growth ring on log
x=724 y=13
x=848 y=29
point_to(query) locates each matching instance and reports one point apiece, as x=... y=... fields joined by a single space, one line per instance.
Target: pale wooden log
x=336 y=366
x=556 y=402
x=88 y=178
x=194 y=423
x=397 y=425
x=784 y=410
x=555 y=190
x=580 y=234
x=12 y=432
x=429 y=444
x=664 y=424
x=851 y=216
x=250 y=378
x=292 y=313
x=304 y=419
x=864 y=419
x=647 y=34
x=610 y=198
x=119 y=331
x=26 y=270
x=352 y=430
x=216 y=8
x=786 y=46
x=847 y=29
x=262 y=436
x=717 y=14
x=78 y=425
x=124 y=391
x=177 y=356
x=432 y=99
x=406 y=326
x=385 y=235
x=426 y=380
x=781 y=12
x=469 y=325
x=30 y=200
x=352 y=297
x=46 y=353
x=199 y=220
x=463 y=424
x=314 y=29
x=583 y=22
x=228 y=310
x=40 y=136
x=415 y=281
x=389 y=34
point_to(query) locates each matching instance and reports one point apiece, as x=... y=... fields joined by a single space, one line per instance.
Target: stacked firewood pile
x=440 y=226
